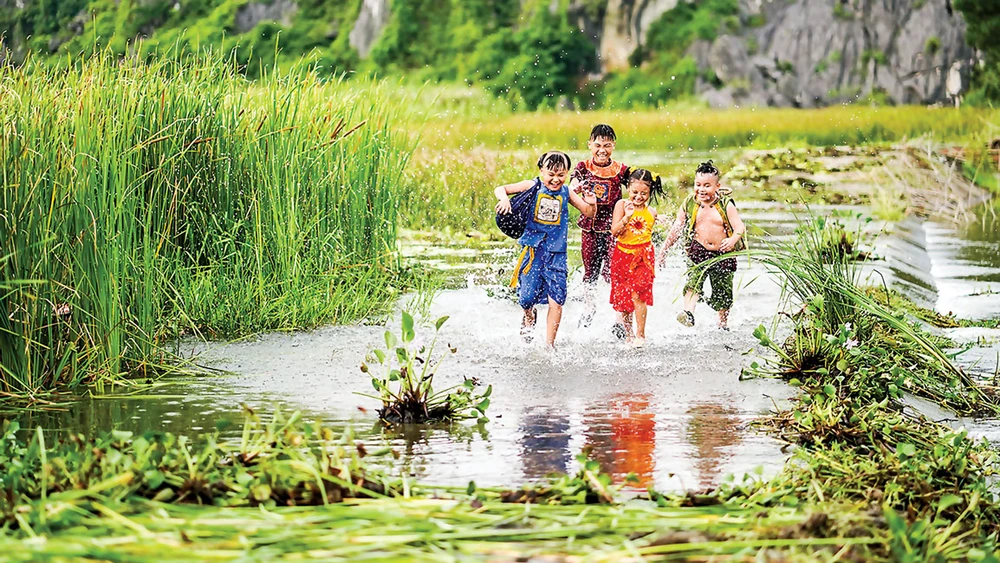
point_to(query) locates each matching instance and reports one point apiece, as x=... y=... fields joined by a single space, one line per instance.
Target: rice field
x=699 y=129
x=142 y=201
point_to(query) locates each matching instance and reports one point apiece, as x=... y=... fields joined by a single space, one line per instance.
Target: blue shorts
x=540 y=275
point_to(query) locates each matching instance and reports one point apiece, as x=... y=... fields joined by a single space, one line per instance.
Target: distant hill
x=582 y=53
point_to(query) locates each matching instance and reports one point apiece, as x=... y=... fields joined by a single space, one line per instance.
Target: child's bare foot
x=528 y=324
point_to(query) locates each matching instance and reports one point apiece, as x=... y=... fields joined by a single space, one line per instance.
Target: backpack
x=521 y=205
x=691 y=207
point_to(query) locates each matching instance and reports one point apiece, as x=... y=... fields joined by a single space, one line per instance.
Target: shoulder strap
x=721 y=206
x=691 y=208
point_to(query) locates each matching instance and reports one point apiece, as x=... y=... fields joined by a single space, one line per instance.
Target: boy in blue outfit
x=541 y=269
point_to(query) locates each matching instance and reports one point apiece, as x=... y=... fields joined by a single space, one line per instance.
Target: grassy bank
x=703 y=129
x=144 y=201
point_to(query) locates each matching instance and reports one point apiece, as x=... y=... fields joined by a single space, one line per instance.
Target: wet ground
x=675 y=413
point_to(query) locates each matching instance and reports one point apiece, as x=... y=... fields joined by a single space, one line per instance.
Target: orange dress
x=633 y=262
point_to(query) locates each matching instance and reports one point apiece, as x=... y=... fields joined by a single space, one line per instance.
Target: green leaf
x=830 y=390
x=489 y=391
x=483 y=405
x=379 y=355
x=906 y=449
x=402 y=355
x=408 y=333
x=842 y=364
x=390 y=340
x=947 y=501
x=471 y=488
x=439 y=322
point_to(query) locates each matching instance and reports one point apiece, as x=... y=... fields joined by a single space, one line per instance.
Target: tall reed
x=150 y=198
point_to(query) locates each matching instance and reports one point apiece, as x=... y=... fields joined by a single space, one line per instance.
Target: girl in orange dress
x=633 y=260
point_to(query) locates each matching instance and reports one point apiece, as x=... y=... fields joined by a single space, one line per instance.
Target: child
x=632 y=260
x=541 y=269
x=712 y=227
x=605 y=179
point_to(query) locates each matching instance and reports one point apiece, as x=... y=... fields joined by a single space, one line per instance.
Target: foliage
x=406 y=384
x=536 y=65
x=982 y=21
x=154 y=199
x=588 y=486
x=844 y=338
x=280 y=462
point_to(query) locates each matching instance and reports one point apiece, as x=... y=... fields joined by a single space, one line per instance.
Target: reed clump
x=143 y=200
x=850 y=339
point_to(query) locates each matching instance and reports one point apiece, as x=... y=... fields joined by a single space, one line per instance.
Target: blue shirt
x=548 y=223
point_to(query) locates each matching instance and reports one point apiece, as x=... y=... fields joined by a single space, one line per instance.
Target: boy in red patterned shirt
x=605 y=179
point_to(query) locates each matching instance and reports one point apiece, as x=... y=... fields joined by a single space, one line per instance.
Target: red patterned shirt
x=607 y=183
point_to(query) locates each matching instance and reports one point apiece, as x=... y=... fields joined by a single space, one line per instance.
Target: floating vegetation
x=51 y=485
x=406 y=384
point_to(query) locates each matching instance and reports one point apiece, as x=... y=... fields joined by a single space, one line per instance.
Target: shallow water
x=675 y=413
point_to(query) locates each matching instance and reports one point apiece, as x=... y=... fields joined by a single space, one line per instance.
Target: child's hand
x=503 y=206
x=728 y=243
x=629 y=208
x=589 y=197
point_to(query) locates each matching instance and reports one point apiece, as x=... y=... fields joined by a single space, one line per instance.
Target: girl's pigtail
x=656 y=187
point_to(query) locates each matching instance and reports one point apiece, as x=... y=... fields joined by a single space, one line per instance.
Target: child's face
x=553 y=179
x=638 y=193
x=601 y=149
x=705 y=186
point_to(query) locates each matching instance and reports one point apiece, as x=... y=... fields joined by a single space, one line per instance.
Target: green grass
x=155 y=199
x=681 y=129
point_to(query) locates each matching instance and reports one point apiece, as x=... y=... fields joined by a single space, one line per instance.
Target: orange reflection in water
x=622 y=436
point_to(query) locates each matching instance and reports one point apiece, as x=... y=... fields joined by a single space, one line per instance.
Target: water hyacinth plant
x=405 y=384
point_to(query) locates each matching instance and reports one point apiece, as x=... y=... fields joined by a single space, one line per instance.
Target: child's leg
x=552 y=320
x=691 y=300
x=640 y=315
x=626 y=321
x=722 y=293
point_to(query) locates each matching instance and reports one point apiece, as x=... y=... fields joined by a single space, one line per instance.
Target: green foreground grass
x=867 y=480
x=142 y=201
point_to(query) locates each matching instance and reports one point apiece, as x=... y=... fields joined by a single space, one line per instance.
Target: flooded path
x=675 y=413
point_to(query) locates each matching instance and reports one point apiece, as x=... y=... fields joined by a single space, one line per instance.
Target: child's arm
x=620 y=217
x=501 y=193
x=586 y=204
x=739 y=229
x=675 y=230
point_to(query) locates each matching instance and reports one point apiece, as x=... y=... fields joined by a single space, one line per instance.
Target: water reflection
x=713 y=430
x=543 y=445
x=621 y=433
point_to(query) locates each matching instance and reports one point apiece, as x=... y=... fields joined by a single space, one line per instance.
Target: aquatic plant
x=151 y=199
x=279 y=462
x=405 y=385
x=845 y=337
x=588 y=486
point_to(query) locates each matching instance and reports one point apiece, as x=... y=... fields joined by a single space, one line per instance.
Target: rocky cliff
x=817 y=52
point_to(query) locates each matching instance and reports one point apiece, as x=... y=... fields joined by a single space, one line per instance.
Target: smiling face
x=601 y=149
x=553 y=179
x=706 y=186
x=638 y=193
